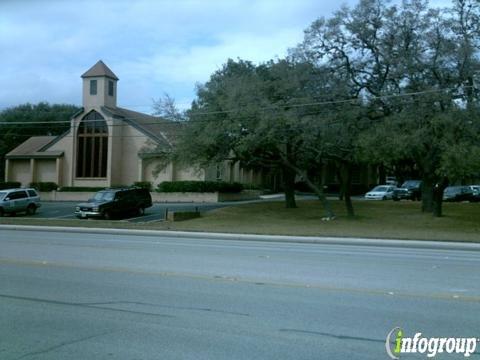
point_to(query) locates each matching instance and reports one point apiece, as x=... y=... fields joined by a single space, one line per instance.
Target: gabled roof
x=100 y=69
x=32 y=148
x=162 y=131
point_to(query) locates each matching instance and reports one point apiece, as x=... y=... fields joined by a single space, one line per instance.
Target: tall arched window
x=92 y=146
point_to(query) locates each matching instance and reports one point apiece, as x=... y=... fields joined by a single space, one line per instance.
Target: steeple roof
x=100 y=69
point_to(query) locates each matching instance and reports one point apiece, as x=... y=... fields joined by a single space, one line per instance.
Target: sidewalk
x=419 y=244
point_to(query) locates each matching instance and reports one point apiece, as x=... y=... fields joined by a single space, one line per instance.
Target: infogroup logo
x=396 y=344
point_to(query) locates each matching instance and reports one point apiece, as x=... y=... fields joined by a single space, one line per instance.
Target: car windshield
x=103 y=196
x=2 y=195
x=452 y=190
x=411 y=183
x=380 y=188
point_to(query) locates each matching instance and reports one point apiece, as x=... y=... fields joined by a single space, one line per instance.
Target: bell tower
x=99 y=87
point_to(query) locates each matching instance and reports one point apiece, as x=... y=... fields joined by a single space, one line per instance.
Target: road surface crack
x=62 y=344
x=84 y=305
x=101 y=305
x=335 y=336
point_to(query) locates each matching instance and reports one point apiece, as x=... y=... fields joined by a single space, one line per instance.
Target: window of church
x=93 y=87
x=92 y=146
x=110 y=88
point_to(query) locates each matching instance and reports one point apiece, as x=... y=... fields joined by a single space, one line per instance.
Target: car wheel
x=107 y=215
x=1 y=212
x=384 y=198
x=396 y=199
x=141 y=211
x=31 y=209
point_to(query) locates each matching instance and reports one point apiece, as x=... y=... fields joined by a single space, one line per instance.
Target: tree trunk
x=345 y=177
x=329 y=214
x=438 y=197
x=382 y=177
x=340 y=181
x=427 y=194
x=347 y=190
x=289 y=187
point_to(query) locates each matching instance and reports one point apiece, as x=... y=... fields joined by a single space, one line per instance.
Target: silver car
x=13 y=201
x=381 y=192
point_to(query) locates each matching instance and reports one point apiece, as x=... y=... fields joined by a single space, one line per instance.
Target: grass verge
x=402 y=220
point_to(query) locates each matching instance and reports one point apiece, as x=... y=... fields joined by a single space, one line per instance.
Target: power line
x=168 y=132
x=272 y=107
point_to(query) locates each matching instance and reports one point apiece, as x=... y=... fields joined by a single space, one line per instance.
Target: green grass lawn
x=375 y=219
x=379 y=219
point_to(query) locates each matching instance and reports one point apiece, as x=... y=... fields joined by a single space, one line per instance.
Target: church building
x=108 y=145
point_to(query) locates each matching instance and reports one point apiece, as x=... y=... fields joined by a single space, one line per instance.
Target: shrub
x=81 y=188
x=302 y=186
x=143 y=184
x=252 y=187
x=44 y=186
x=199 y=186
x=119 y=186
x=10 y=185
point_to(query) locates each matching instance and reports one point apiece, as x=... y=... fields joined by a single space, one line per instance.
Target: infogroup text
x=396 y=344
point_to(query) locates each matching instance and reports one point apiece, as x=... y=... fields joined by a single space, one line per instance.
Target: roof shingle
x=33 y=148
x=100 y=69
x=163 y=131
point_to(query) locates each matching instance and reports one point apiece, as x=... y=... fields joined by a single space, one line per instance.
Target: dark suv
x=459 y=193
x=109 y=203
x=410 y=189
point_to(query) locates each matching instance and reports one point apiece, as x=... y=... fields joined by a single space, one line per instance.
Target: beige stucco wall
x=115 y=153
x=65 y=144
x=20 y=171
x=157 y=197
x=127 y=169
x=102 y=97
x=45 y=170
x=165 y=173
x=184 y=197
x=192 y=173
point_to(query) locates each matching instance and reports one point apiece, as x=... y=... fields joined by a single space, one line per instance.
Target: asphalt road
x=87 y=296
x=65 y=210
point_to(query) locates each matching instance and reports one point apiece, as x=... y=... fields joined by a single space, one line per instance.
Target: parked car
x=410 y=189
x=391 y=180
x=402 y=194
x=13 y=201
x=380 y=192
x=109 y=203
x=459 y=193
x=475 y=189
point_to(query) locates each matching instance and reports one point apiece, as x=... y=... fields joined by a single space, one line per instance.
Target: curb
x=417 y=244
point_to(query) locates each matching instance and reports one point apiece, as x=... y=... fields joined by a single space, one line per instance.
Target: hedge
x=44 y=186
x=143 y=184
x=10 y=185
x=199 y=186
x=81 y=188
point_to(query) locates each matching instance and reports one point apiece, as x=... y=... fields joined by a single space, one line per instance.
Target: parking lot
x=65 y=210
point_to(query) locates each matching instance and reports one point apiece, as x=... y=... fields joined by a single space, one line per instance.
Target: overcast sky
x=154 y=47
